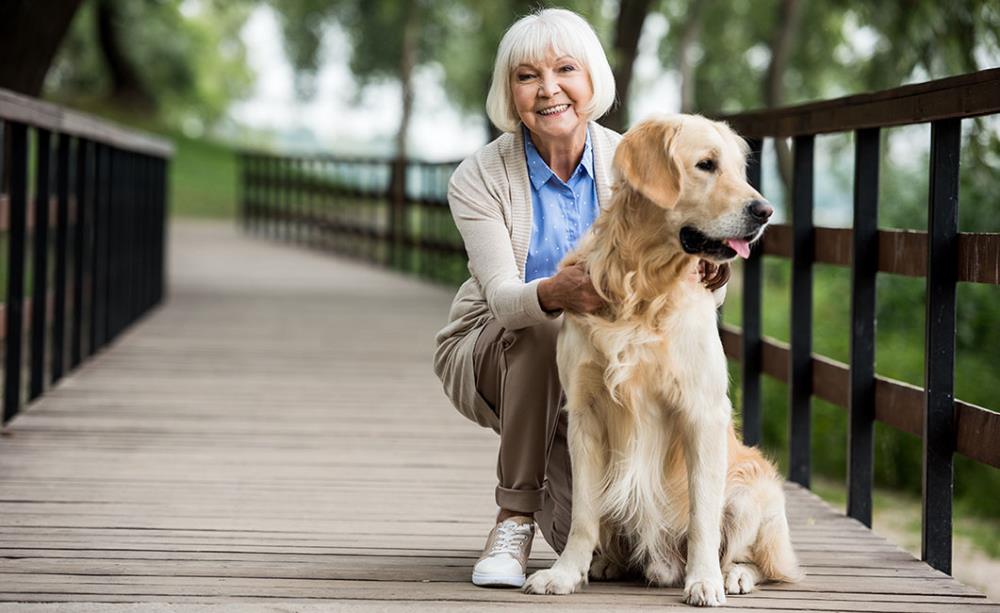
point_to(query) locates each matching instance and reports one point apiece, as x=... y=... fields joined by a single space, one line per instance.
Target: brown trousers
x=516 y=374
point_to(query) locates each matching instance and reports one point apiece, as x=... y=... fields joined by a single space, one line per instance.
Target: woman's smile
x=553 y=111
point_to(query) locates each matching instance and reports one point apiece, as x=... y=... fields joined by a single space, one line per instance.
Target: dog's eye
x=706 y=165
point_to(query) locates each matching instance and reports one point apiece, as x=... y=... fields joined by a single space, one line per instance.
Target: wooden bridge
x=272 y=438
x=267 y=435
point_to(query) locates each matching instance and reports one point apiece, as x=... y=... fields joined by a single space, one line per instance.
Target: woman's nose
x=549 y=86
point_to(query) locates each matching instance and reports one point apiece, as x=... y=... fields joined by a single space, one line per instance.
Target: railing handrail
x=36 y=113
x=963 y=96
x=338 y=158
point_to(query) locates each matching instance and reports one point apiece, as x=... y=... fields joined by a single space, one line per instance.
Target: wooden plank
x=900 y=252
x=897 y=404
x=968 y=95
x=24 y=109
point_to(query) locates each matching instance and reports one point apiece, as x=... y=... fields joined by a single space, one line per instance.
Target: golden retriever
x=661 y=483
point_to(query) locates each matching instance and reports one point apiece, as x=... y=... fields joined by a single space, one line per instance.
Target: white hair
x=528 y=40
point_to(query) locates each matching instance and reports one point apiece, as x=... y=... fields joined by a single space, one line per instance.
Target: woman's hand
x=713 y=276
x=570 y=289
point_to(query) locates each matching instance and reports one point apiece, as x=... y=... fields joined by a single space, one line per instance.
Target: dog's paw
x=704 y=592
x=665 y=573
x=554 y=581
x=740 y=579
x=603 y=569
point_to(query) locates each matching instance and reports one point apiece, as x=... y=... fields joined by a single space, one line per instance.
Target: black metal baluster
x=17 y=134
x=115 y=240
x=149 y=208
x=241 y=189
x=287 y=234
x=98 y=305
x=161 y=228
x=752 y=348
x=81 y=236
x=800 y=367
x=939 y=356
x=123 y=253
x=62 y=230
x=276 y=206
x=861 y=403
x=110 y=242
x=299 y=190
x=39 y=261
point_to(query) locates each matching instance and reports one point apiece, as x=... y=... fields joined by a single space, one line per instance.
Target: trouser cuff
x=521 y=501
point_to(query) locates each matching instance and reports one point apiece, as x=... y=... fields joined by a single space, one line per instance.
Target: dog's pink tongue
x=740 y=246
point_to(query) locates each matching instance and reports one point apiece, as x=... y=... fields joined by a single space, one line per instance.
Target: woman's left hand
x=713 y=276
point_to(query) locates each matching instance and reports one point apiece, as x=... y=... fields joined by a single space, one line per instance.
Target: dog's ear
x=646 y=161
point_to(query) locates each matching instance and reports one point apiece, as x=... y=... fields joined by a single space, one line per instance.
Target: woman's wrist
x=545 y=298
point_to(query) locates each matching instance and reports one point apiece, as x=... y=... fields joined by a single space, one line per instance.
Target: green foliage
x=188 y=54
x=202 y=179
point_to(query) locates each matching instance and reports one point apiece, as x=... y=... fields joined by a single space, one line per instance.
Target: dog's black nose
x=760 y=210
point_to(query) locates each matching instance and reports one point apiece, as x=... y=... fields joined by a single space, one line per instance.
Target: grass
x=203 y=177
x=203 y=173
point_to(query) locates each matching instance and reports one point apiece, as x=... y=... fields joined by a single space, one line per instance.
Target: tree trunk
x=689 y=37
x=407 y=62
x=628 y=29
x=789 y=14
x=30 y=34
x=127 y=89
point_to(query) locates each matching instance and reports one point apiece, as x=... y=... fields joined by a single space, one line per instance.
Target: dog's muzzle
x=696 y=242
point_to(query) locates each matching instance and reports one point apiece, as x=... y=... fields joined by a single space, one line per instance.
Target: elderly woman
x=521 y=203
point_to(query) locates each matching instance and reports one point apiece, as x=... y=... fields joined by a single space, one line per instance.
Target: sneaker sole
x=486 y=580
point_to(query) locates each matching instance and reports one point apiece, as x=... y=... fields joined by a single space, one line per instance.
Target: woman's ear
x=645 y=160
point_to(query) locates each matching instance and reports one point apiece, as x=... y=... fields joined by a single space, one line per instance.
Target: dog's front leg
x=705 y=455
x=569 y=572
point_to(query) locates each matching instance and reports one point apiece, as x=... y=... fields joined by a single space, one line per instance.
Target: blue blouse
x=561 y=211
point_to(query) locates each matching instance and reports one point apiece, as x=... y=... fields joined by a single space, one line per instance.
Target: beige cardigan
x=490 y=199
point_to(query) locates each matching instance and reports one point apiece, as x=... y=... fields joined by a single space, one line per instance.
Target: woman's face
x=550 y=96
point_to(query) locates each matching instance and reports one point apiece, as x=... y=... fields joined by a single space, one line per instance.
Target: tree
x=389 y=40
x=154 y=60
x=460 y=36
x=628 y=29
x=30 y=35
x=126 y=85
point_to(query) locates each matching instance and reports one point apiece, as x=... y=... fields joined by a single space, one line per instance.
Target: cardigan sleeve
x=475 y=202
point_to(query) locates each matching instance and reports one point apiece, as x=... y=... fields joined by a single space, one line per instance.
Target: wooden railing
x=92 y=196
x=355 y=207
x=348 y=206
x=942 y=254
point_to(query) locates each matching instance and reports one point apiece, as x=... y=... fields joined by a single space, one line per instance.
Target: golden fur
x=650 y=425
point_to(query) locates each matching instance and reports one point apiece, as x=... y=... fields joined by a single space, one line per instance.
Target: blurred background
x=390 y=78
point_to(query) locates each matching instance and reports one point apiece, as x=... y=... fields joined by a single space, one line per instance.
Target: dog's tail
x=773 y=550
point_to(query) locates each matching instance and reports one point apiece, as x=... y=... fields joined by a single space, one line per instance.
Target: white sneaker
x=505 y=556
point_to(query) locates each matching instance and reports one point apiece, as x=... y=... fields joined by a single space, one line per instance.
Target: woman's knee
x=538 y=340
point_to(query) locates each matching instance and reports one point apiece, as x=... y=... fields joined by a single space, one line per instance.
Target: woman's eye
x=568 y=68
x=525 y=76
x=706 y=165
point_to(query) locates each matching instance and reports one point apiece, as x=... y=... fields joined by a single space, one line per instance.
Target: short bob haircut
x=528 y=40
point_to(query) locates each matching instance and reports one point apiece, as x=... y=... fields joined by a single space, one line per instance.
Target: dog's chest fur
x=658 y=378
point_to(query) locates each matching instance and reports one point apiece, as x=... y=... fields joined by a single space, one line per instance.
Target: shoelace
x=510 y=538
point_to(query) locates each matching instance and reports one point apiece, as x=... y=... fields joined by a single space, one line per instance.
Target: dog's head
x=694 y=170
